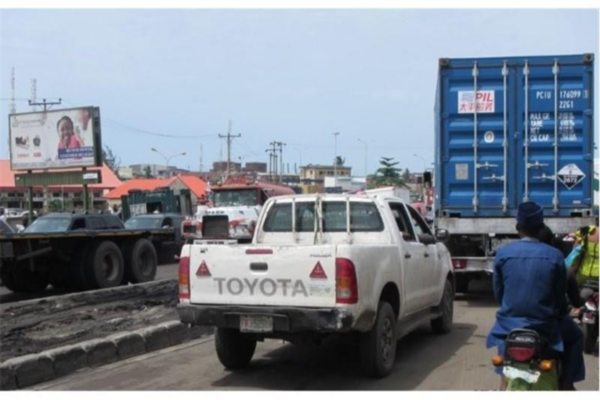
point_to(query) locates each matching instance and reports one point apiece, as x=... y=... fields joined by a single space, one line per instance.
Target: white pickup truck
x=366 y=267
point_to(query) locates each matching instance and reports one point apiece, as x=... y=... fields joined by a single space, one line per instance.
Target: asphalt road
x=425 y=361
x=166 y=271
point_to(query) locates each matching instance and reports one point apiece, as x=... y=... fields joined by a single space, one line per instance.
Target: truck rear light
x=184 y=278
x=521 y=354
x=346 y=285
x=459 y=264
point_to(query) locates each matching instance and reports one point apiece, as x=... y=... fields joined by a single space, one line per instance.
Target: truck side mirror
x=442 y=235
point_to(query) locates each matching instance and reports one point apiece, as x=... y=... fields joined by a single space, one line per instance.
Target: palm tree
x=339 y=161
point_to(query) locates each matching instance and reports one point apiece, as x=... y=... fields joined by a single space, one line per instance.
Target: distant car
x=65 y=222
x=14 y=212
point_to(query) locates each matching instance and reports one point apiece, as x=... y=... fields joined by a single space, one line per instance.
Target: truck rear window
x=364 y=217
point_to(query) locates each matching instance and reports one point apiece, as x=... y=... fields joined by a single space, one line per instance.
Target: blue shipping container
x=514 y=129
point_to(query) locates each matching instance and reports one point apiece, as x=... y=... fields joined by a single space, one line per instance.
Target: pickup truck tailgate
x=273 y=275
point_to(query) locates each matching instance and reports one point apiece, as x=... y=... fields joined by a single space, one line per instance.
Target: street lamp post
x=335 y=135
x=167 y=159
x=424 y=162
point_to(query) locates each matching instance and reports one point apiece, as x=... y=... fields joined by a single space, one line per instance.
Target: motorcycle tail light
x=521 y=354
x=497 y=361
x=546 y=365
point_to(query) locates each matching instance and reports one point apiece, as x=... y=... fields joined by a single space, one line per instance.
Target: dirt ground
x=35 y=326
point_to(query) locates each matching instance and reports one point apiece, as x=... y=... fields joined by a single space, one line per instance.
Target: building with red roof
x=196 y=186
x=12 y=196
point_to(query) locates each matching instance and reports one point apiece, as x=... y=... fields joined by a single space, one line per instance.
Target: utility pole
x=229 y=138
x=273 y=164
x=13 y=105
x=47 y=105
x=279 y=146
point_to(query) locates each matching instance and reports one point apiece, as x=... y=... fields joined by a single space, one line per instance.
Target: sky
x=295 y=76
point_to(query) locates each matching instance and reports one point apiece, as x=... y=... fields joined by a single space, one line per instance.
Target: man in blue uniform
x=530 y=284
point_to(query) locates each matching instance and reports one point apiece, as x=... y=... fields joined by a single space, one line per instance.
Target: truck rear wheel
x=105 y=267
x=378 y=347
x=234 y=349
x=19 y=279
x=141 y=262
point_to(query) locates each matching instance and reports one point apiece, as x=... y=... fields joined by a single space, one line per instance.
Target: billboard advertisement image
x=55 y=139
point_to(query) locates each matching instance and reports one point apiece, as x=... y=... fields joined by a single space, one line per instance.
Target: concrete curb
x=31 y=369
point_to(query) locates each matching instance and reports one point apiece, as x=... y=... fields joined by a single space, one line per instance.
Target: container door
x=555 y=124
x=477 y=133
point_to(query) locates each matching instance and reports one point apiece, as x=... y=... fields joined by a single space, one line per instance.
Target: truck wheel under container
x=234 y=349
x=19 y=279
x=140 y=262
x=105 y=266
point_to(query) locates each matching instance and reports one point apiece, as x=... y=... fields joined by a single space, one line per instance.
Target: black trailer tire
x=378 y=346
x=443 y=324
x=19 y=279
x=589 y=338
x=462 y=283
x=234 y=349
x=141 y=262
x=105 y=266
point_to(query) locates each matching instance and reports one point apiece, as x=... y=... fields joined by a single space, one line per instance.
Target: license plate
x=256 y=323
x=527 y=375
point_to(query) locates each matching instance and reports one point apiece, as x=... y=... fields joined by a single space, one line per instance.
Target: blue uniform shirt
x=530 y=284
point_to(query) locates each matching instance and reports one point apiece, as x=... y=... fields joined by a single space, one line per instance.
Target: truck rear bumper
x=285 y=319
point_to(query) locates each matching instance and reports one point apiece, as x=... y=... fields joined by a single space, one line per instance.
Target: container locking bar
x=475 y=143
x=555 y=71
x=526 y=137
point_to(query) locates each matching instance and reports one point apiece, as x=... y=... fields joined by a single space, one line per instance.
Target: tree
x=388 y=174
x=147 y=172
x=406 y=175
x=339 y=161
x=112 y=161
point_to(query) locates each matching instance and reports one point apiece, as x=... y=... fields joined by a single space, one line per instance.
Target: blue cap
x=530 y=215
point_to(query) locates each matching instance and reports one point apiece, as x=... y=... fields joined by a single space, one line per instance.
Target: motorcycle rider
x=586 y=266
x=530 y=284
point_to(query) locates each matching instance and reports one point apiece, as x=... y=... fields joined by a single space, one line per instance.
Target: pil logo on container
x=486 y=101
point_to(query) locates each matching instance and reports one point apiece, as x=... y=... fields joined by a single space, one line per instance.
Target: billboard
x=55 y=139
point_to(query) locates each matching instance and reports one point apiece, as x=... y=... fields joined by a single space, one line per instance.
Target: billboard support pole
x=29 y=203
x=85 y=195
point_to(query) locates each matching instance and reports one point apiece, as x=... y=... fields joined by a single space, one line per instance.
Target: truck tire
x=589 y=338
x=443 y=324
x=141 y=262
x=19 y=279
x=105 y=266
x=378 y=347
x=234 y=349
x=462 y=283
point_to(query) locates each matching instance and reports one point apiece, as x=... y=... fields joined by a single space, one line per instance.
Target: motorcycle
x=589 y=319
x=528 y=362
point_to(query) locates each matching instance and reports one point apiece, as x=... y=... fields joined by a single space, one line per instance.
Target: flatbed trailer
x=79 y=260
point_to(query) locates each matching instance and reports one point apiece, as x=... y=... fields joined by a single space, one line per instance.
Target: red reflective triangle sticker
x=203 y=269
x=318 y=271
